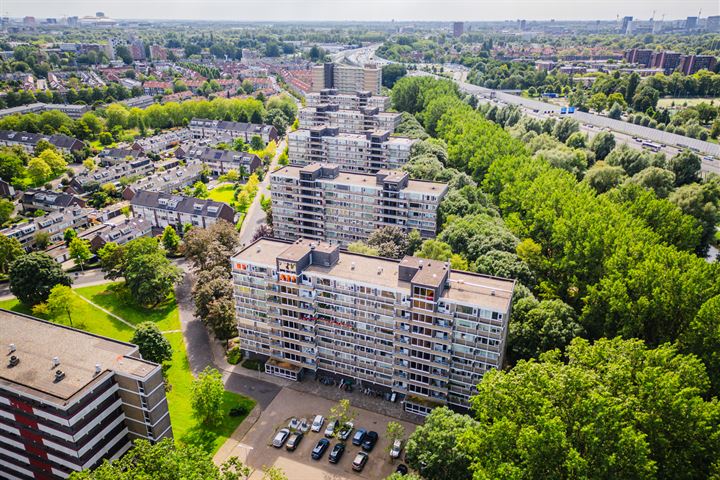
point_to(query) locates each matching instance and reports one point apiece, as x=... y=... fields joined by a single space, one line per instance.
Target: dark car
x=320 y=448
x=359 y=436
x=360 y=460
x=402 y=469
x=371 y=439
x=294 y=441
x=336 y=453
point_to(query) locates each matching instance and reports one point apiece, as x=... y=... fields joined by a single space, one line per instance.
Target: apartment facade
x=411 y=328
x=70 y=399
x=347 y=78
x=358 y=153
x=162 y=210
x=321 y=203
x=364 y=119
x=53 y=223
x=347 y=101
x=166 y=181
x=112 y=174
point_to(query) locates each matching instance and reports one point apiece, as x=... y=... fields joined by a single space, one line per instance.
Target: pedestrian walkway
x=120 y=319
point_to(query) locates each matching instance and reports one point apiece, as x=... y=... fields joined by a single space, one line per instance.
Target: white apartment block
x=359 y=153
x=411 y=328
x=319 y=202
x=348 y=121
x=352 y=101
x=347 y=78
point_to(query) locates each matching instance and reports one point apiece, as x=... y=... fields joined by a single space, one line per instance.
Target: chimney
x=352 y=266
x=98 y=369
x=12 y=348
x=55 y=362
x=420 y=265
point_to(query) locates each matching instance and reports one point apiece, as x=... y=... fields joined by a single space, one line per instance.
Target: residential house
x=202 y=128
x=36 y=199
x=163 y=209
x=221 y=161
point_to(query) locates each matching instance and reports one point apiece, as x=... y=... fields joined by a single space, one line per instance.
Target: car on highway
x=319 y=449
x=359 y=436
x=371 y=439
x=318 y=423
x=396 y=449
x=280 y=438
x=293 y=441
x=336 y=453
x=359 y=462
x=331 y=428
x=345 y=431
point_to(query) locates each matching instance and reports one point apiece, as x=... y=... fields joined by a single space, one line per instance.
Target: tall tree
x=61 y=301
x=10 y=250
x=152 y=344
x=79 y=250
x=32 y=276
x=207 y=396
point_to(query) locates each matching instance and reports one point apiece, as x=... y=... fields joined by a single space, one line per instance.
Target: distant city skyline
x=363 y=10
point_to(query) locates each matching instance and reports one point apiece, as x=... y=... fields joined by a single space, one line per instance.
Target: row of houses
x=111 y=174
x=203 y=128
x=28 y=141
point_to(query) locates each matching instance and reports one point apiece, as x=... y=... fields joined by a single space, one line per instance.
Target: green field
x=680 y=102
x=167 y=318
x=223 y=193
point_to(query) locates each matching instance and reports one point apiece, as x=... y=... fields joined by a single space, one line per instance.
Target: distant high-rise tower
x=713 y=23
x=625 y=24
x=458 y=28
x=691 y=23
x=523 y=25
x=99 y=14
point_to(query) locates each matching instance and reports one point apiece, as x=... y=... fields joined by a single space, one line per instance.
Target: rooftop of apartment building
x=326 y=131
x=464 y=287
x=37 y=343
x=331 y=172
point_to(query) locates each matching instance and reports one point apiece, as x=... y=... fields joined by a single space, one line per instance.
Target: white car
x=293 y=424
x=331 y=428
x=318 y=423
x=280 y=438
x=396 y=449
x=304 y=425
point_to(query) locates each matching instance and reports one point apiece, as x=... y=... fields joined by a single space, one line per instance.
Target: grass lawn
x=680 y=102
x=166 y=316
x=223 y=193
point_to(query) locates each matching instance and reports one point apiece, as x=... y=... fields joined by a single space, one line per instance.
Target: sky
x=360 y=10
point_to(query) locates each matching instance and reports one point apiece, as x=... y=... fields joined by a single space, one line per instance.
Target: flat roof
x=465 y=287
x=420 y=186
x=37 y=342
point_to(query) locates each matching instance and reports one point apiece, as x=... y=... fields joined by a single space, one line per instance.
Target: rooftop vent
x=420 y=264
x=98 y=368
x=492 y=293
x=379 y=270
x=59 y=375
x=55 y=362
x=352 y=266
x=257 y=250
x=14 y=360
x=12 y=348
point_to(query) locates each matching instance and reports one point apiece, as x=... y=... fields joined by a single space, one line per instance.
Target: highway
x=591 y=123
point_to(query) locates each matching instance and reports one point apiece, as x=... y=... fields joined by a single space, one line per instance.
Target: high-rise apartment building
x=347 y=78
x=459 y=29
x=690 y=64
x=348 y=121
x=69 y=399
x=352 y=101
x=412 y=328
x=360 y=153
x=626 y=21
x=666 y=60
x=640 y=56
x=319 y=202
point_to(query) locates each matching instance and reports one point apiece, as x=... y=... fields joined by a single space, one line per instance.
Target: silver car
x=280 y=438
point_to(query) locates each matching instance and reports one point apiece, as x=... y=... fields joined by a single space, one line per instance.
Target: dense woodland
x=613 y=368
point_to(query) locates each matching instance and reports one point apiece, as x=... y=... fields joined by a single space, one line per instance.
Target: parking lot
x=255 y=448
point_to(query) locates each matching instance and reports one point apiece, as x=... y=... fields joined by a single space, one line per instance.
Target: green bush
x=234 y=355
x=253 y=364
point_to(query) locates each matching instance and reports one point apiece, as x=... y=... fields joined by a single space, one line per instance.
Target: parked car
x=402 y=469
x=317 y=424
x=336 y=453
x=293 y=424
x=280 y=438
x=304 y=425
x=360 y=460
x=345 y=431
x=331 y=428
x=320 y=448
x=371 y=439
x=294 y=441
x=359 y=436
x=396 y=449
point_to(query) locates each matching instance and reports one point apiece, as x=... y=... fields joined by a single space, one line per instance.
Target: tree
x=342 y=412
x=165 y=460
x=150 y=278
x=256 y=143
x=105 y=138
x=273 y=473
x=602 y=177
x=170 y=239
x=221 y=318
x=564 y=128
x=153 y=346
x=615 y=111
x=200 y=190
x=659 y=180
x=54 y=160
x=207 y=396
x=212 y=246
x=68 y=235
x=434 y=447
x=437 y=250
x=123 y=53
x=645 y=99
x=32 y=276
x=61 y=301
x=42 y=240
x=10 y=250
x=79 y=250
x=632 y=161
x=686 y=167
x=602 y=144
x=391 y=73
x=39 y=171
x=11 y=165
x=394 y=431
x=612 y=409
x=631 y=87
x=89 y=164
x=363 y=249
x=703 y=203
